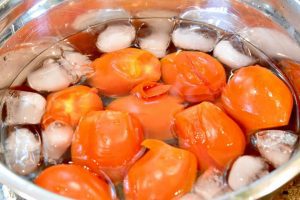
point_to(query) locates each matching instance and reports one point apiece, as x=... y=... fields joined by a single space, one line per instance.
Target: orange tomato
x=292 y=70
x=257 y=99
x=74 y=182
x=153 y=106
x=70 y=104
x=164 y=172
x=107 y=141
x=210 y=134
x=116 y=73
x=194 y=76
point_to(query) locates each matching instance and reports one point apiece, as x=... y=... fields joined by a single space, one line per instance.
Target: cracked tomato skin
x=164 y=172
x=74 y=182
x=116 y=73
x=194 y=76
x=257 y=99
x=210 y=134
x=153 y=106
x=107 y=141
x=69 y=105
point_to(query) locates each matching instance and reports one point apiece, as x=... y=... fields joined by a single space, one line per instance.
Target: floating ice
x=276 y=146
x=245 y=170
x=23 y=107
x=115 y=37
x=227 y=54
x=156 y=43
x=22 y=151
x=191 y=196
x=57 y=138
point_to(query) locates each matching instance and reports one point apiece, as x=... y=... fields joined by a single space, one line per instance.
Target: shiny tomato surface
x=74 y=182
x=107 y=141
x=257 y=99
x=210 y=134
x=69 y=105
x=194 y=76
x=153 y=106
x=116 y=73
x=164 y=172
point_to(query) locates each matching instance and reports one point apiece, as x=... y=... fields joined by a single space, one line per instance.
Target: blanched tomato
x=74 y=182
x=164 y=172
x=153 y=106
x=116 y=73
x=70 y=104
x=194 y=76
x=107 y=141
x=292 y=70
x=210 y=134
x=257 y=99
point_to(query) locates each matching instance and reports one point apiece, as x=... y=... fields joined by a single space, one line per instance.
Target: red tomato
x=194 y=76
x=257 y=99
x=164 y=172
x=153 y=106
x=70 y=104
x=292 y=70
x=74 y=182
x=107 y=141
x=210 y=134
x=116 y=73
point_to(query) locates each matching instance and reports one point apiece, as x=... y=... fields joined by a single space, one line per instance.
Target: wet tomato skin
x=116 y=73
x=210 y=134
x=194 y=76
x=257 y=99
x=69 y=105
x=292 y=70
x=164 y=172
x=74 y=182
x=107 y=141
x=153 y=106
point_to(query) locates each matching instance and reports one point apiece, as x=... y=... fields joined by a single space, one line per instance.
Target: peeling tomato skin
x=164 y=172
x=194 y=76
x=75 y=182
x=257 y=99
x=107 y=141
x=116 y=73
x=210 y=134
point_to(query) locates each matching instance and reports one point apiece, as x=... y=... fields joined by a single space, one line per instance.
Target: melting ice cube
x=191 y=196
x=22 y=151
x=156 y=43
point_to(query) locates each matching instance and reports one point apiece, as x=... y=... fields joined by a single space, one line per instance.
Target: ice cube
x=191 y=38
x=116 y=37
x=191 y=196
x=96 y=16
x=22 y=151
x=24 y=107
x=276 y=146
x=211 y=183
x=156 y=43
x=245 y=170
x=272 y=42
x=227 y=54
x=57 y=138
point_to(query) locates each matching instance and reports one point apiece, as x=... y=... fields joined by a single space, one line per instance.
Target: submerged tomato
x=194 y=76
x=116 y=73
x=107 y=141
x=70 y=104
x=210 y=134
x=292 y=70
x=74 y=182
x=257 y=99
x=153 y=106
x=164 y=172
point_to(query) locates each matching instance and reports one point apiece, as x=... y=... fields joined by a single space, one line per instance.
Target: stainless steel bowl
x=30 y=23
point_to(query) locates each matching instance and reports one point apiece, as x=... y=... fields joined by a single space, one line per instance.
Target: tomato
x=194 y=76
x=164 y=172
x=292 y=70
x=210 y=134
x=74 y=182
x=116 y=73
x=257 y=99
x=107 y=141
x=70 y=104
x=153 y=106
